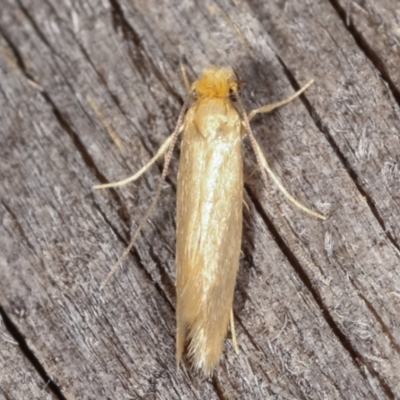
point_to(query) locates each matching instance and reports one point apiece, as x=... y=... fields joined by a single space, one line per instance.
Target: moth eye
x=232 y=95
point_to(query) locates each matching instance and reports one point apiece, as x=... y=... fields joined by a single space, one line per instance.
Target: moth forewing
x=209 y=227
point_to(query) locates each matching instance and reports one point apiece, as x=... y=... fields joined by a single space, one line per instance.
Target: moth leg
x=281 y=187
x=233 y=333
x=262 y=162
x=160 y=152
x=168 y=146
x=269 y=107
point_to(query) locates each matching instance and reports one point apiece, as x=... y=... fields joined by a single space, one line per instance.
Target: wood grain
x=72 y=71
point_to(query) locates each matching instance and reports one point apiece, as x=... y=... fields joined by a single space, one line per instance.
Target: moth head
x=215 y=82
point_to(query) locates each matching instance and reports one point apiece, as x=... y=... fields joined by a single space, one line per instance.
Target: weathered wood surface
x=19 y=379
x=337 y=149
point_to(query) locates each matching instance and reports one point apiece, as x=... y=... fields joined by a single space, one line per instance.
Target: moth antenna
x=285 y=226
x=142 y=222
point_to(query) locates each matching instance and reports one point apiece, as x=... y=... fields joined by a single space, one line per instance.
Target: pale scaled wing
x=209 y=228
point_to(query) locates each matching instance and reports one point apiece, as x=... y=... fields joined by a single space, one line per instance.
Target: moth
x=209 y=210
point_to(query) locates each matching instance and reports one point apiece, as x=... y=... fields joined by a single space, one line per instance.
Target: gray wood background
x=74 y=72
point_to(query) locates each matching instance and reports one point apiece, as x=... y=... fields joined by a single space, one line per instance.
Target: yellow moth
x=209 y=210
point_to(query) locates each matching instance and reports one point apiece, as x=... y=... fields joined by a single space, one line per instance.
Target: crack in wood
x=366 y=49
x=30 y=355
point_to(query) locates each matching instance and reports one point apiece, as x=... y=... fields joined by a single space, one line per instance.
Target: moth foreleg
x=269 y=107
x=160 y=152
x=265 y=165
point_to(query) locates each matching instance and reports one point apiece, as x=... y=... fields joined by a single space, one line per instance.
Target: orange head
x=215 y=82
